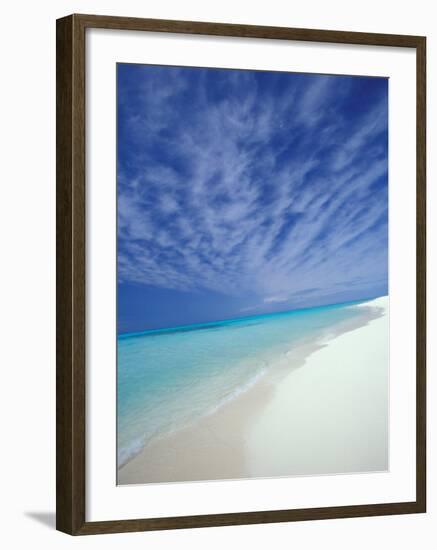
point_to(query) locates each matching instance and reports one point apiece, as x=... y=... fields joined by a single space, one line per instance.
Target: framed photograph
x=240 y=274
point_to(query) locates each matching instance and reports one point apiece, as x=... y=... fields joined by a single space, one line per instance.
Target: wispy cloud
x=275 y=299
x=246 y=183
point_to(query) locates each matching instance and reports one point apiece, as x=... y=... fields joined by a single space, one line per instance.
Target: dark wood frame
x=70 y=275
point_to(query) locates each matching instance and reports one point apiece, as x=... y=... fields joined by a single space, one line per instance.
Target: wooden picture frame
x=71 y=258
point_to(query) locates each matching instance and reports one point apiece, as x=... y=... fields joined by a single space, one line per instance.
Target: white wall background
x=27 y=293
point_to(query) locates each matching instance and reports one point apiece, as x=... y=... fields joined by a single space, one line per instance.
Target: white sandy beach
x=332 y=415
x=323 y=410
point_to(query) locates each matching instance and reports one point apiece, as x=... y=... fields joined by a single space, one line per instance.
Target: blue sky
x=246 y=192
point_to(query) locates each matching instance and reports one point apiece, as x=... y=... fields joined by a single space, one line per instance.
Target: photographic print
x=252 y=274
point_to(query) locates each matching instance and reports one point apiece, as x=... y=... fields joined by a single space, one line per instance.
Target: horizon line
x=177 y=328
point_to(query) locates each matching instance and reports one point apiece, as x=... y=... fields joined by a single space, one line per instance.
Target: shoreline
x=231 y=442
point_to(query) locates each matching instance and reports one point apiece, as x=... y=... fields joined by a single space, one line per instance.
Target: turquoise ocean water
x=166 y=379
